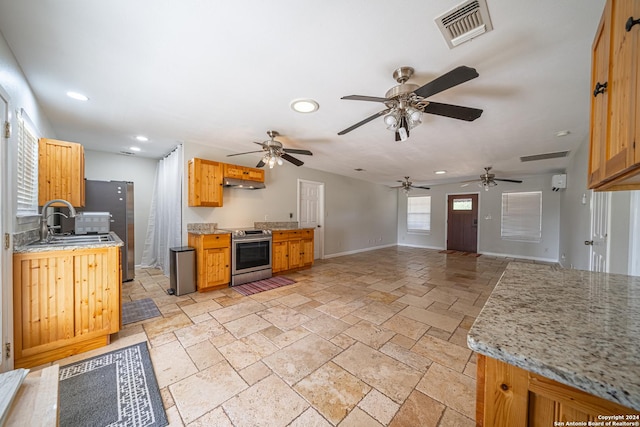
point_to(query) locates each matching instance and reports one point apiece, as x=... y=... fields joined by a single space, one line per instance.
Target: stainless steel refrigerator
x=115 y=197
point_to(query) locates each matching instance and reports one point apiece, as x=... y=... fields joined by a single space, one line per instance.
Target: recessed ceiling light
x=304 y=105
x=134 y=148
x=562 y=133
x=77 y=96
x=440 y=172
x=142 y=138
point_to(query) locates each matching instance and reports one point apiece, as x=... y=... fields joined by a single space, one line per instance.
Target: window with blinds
x=522 y=216
x=419 y=213
x=27 y=176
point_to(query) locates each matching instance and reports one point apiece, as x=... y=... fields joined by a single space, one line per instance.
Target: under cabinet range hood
x=242 y=183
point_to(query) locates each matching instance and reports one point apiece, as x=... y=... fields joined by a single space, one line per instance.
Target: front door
x=311 y=197
x=462 y=222
x=599 y=243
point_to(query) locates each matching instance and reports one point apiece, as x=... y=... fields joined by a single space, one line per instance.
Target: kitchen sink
x=70 y=240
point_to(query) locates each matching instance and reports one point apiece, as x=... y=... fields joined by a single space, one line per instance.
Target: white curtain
x=165 y=218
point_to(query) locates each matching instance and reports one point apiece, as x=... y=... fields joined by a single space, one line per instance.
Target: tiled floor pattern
x=371 y=339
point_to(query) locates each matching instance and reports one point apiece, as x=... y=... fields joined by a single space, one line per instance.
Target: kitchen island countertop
x=577 y=327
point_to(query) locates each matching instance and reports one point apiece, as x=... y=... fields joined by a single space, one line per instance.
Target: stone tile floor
x=371 y=339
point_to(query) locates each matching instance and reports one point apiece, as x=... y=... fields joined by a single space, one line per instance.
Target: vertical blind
x=419 y=213
x=27 y=165
x=522 y=216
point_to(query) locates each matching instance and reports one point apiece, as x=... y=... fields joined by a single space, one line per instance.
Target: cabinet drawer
x=216 y=241
x=280 y=235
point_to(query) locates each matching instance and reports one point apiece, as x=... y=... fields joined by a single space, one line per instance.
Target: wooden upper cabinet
x=615 y=151
x=60 y=172
x=243 y=172
x=205 y=183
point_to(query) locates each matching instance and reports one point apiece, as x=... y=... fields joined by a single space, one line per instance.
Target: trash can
x=182 y=266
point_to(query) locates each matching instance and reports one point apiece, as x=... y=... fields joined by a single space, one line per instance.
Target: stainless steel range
x=250 y=255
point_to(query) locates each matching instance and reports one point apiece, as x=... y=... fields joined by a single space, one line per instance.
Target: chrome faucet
x=44 y=228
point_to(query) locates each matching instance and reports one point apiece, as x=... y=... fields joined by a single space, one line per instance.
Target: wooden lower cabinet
x=292 y=250
x=64 y=303
x=510 y=396
x=213 y=260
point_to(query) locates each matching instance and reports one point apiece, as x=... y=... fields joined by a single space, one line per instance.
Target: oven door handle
x=257 y=239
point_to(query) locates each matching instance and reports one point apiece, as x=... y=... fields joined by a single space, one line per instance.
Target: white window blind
x=522 y=216
x=27 y=176
x=419 y=213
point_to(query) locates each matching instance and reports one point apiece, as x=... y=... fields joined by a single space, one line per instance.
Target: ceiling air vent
x=545 y=156
x=464 y=22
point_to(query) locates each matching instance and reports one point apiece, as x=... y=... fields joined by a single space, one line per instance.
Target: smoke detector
x=464 y=22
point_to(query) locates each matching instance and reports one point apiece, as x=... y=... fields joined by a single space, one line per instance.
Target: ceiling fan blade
x=364 y=98
x=260 y=164
x=292 y=159
x=454 y=111
x=247 y=152
x=446 y=81
x=296 y=151
x=365 y=121
x=508 y=180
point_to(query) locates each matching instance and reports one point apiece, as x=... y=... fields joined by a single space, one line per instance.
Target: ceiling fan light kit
x=406 y=102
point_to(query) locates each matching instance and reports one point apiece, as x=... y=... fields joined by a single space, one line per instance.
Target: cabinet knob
x=630 y=23
x=600 y=88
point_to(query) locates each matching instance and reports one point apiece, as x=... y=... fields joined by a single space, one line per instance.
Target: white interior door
x=310 y=209
x=600 y=224
x=5 y=253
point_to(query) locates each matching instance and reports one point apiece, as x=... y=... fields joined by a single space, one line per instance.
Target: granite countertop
x=579 y=328
x=216 y=231
x=45 y=248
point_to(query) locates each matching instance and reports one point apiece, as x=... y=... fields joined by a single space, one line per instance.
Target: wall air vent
x=464 y=22
x=545 y=156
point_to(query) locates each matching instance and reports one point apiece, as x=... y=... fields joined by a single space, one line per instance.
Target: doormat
x=141 y=309
x=263 y=285
x=452 y=252
x=116 y=388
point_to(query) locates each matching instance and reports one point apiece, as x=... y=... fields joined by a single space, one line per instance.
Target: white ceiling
x=222 y=73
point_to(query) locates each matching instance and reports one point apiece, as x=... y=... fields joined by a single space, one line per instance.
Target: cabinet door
x=599 y=100
x=60 y=172
x=43 y=302
x=96 y=286
x=295 y=253
x=205 y=183
x=619 y=153
x=233 y=171
x=307 y=252
x=255 y=174
x=217 y=271
x=280 y=256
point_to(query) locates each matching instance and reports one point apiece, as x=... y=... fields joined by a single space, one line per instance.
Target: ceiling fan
x=406 y=102
x=274 y=152
x=407 y=185
x=488 y=180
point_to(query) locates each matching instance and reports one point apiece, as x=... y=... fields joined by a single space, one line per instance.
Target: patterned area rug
x=135 y=311
x=263 y=285
x=451 y=252
x=116 y=388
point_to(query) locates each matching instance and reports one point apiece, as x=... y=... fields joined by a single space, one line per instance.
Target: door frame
x=6 y=266
x=319 y=231
x=446 y=216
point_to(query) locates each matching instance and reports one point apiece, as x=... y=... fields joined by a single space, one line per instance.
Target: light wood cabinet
x=60 y=172
x=614 y=162
x=64 y=302
x=243 y=172
x=213 y=260
x=205 y=183
x=510 y=396
x=292 y=250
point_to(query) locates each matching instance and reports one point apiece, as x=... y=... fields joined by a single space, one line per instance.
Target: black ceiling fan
x=488 y=180
x=407 y=185
x=274 y=152
x=406 y=102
